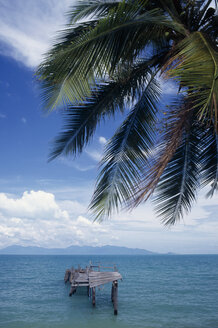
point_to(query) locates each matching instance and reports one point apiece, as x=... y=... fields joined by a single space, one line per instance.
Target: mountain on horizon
x=74 y=250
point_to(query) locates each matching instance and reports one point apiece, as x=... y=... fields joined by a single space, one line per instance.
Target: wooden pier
x=92 y=277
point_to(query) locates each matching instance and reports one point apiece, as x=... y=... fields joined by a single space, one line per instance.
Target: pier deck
x=90 y=278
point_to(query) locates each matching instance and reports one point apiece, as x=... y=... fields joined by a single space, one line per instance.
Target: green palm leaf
x=106 y=61
x=209 y=160
x=177 y=187
x=126 y=154
x=164 y=151
x=70 y=73
x=195 y=66
x=91 y=9
x=81 y=119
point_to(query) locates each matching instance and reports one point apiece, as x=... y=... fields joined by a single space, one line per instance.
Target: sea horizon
x=117 y=250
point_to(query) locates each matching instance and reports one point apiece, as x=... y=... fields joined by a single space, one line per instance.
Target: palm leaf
x=125 y=155
x=209 y=160
x=81 y=119
x=203 y=10
x=177 y=187
x=69 y=75
x=164 y=151
x=195 y=66
x=91 y=9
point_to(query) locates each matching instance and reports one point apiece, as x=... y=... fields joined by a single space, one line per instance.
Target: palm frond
x=209 y=160
x=91 y=9
x=195 y=66
x=70 y=74
x=176 y=120
x=177 y=186
x=125 y=155
x=203 y=10
x=106 y=61
x=81 y=119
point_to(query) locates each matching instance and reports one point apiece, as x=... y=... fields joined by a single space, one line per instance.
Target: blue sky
x=43 y=203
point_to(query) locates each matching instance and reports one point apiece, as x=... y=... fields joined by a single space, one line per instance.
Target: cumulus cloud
x=38 y=218
x=32 y=205
x=102 y=140
x=94 y=154
x=27 y=28
x=73 y=207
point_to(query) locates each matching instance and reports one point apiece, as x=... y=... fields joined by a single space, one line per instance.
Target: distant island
x=74 y=250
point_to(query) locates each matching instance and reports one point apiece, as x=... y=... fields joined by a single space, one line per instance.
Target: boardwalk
x=92 y=277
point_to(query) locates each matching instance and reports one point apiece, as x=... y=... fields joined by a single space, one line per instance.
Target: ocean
x=169 y=291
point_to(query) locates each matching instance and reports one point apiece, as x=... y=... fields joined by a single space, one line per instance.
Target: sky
x=45 y=204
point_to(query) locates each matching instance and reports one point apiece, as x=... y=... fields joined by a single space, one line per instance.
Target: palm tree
x=109 y=59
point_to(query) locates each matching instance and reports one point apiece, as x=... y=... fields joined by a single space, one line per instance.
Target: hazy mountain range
x=74 y=250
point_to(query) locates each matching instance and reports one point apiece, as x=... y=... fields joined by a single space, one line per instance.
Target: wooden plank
x=98 y=283
x=102 y=278
x=103 y=274
x=111 y=278
x=91 y=279
x=82 y=285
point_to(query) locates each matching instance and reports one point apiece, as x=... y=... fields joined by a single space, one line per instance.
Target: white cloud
x=32 y=205
x=27 y=28
x=73 y=207
x=169 y=87
x=23 y=120
x=94 y=154
x=96 y=226
x=102 y=140
x=38 y=218
x=74 y=164
x=97 y=153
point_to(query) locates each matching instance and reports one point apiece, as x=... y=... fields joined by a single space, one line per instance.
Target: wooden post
x=93 y=296
x=71 y=275
x=67 y=276
x=112 y=293
x=115 y=297
x=88 y=292
x=72 y=291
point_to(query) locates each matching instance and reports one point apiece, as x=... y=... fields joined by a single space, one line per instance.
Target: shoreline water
x=156 y=291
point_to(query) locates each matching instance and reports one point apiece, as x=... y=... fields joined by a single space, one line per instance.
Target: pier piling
x=115 y=297
x=93 y=296
x=90 y=278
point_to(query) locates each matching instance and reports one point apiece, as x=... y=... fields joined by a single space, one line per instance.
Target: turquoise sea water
x=156 y=292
